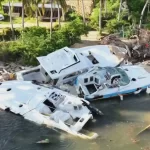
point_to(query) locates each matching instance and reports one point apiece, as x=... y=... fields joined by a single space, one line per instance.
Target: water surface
x=117 y=129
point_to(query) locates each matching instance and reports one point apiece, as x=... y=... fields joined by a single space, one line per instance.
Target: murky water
x=117 y=129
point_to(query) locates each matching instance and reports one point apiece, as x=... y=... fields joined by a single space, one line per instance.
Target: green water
x=117 y=129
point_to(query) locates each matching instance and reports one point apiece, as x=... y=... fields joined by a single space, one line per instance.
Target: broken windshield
x=124 y=77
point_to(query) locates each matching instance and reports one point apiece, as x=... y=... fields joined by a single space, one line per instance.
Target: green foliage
x=113 y=25
x=112 y=12
x=6 y=34
x=71 y=15
x=130 y=14
x=36 y=41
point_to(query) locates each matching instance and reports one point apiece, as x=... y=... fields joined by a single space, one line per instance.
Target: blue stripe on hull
x=119 y=93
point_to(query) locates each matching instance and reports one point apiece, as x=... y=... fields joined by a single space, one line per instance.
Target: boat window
x=50 y=105
x=46 y=73
x=96 y=80
x=91 y=79
x=124 y=77
x=69 y=76
x=75 y=107
x=91 y=88
x=75 y=58
x=55 y=81
x=9 y=89
x=53 y=71
x=85 y=80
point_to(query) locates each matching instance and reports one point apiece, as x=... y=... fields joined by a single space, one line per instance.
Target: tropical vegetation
x=112 y=16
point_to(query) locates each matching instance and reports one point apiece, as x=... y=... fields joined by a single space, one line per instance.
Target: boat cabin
x=104 y=55
x=98 y=79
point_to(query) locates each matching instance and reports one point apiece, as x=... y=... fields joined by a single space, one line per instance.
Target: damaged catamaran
x=66 y=64
x=107 y=82
x=49 y=106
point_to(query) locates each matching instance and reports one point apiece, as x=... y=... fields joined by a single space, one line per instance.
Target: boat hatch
x=53 y=71
x=92 y=59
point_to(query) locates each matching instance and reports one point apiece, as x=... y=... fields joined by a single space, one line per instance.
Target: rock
x=7 y=71
x=5 y=76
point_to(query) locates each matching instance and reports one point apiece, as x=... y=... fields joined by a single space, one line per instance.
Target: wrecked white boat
x=107 y=82
x=105 y=55
x=46 y=106
x=66 y=64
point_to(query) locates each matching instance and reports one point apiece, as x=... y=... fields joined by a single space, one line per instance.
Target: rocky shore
x=8 y=70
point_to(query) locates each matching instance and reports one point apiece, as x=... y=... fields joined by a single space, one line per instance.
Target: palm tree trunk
x=142 y=13
x=37 y=18
x=83 y=12
x=119 y=10
x=11 y=21
x=105 y=6
x=51 y=18
x=22 y=14
x=100 y=16
x=58 y=14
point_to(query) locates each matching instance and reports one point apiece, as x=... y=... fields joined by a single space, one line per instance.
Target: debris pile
x=139 y=46
x=7 y=71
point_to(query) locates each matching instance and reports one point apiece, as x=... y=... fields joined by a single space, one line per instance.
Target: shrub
x=72 y=15
x=36 y=41
x=6 y=35
x=113 y=25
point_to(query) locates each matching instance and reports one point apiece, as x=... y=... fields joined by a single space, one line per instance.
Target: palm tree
x=100 y=16
x=83 y=12
x=63 y=5
x=119 y=10
x=10 y=16
x=105 y=3
x=51 y=18
x=142 y=13
x=34 y=6
x=23 y=5
x=58 y=14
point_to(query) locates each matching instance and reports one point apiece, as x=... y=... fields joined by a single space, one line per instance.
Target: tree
x=83 y=12
x=105 y=3
x=100 y=16
x=119 y=10
x=63 y=5
x=10 y=16
x=23 y=4
x=34 y=6
x=51 y=18
x=142 y=13
x=58 y=14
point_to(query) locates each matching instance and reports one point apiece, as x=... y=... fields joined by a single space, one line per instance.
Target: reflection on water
x=117 y=129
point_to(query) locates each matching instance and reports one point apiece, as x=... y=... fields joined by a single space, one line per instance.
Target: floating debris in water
x=46 y=141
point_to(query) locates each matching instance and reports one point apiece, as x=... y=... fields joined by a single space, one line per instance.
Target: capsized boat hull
x=26 y=99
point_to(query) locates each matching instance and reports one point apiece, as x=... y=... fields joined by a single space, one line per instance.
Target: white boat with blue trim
x=107 y=82
x=47 y=106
